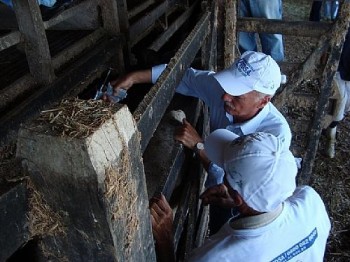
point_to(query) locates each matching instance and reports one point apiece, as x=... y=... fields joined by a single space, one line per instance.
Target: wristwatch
x=199 y=146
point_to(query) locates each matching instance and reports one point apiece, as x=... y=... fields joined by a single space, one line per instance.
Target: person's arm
x=218 y=195
x=162 y=227
x=189 y=137
x=130 y=79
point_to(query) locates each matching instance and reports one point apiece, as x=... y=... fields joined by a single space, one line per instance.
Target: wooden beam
x=273 y=26
x=146 y=22
x=14 y=222
x=84 y=7
x=36 y=45
x=149 y=112
x=230 y=32
x=159 y=42
x=9 y=40
x=77 y=48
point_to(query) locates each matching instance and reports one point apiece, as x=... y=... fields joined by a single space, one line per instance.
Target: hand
x=124 y=82
x=187 y=135
x=162 y=227
x=218 y=195
x=162 y=219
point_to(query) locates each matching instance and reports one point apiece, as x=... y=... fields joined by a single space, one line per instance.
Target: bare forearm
x=204 y=159
x=141 y=77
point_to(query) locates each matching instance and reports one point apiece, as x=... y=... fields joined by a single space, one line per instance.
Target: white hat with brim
x=215 y=143
x=253 y=71
x=256 y=165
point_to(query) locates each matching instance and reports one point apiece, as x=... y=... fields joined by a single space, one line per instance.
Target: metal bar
x=273 y=26
x=9 y=40
x=151 y=109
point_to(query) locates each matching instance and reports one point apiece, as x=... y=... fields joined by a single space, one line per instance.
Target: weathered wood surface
x=337 y=37
x=9 y=40
x=36 y=45
x=97 y=185
x=150 y=111
x=230 y=32
x=172 y=28
x=273 y=26
x=76 y=78
x=14 y=222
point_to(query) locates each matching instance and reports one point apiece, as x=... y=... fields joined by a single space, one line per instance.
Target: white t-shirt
x=299 y=233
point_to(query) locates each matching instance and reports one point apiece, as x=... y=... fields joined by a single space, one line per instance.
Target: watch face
x=200 y=146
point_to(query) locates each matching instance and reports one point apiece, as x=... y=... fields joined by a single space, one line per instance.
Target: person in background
x=238 y=99
x=331 y=8
x=342 y=105
x=271 y=44
x=48 y=3
x=276 y=221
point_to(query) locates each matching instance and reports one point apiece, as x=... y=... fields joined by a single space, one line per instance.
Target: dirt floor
x=330 y=176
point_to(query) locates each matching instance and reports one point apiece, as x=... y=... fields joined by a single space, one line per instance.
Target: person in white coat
x=277 y=221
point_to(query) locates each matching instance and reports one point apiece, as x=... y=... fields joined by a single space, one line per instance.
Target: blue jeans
x=272 y=44
x=331 y=9
x=48 y=3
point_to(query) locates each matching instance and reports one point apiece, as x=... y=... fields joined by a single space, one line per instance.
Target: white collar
x=256 y=221
x=251 y=125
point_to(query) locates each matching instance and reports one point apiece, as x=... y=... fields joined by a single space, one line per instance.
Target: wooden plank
x=102 y=174
x=151 y=109
x=9 y=40
x=77 y=48
x=220 y=27
x=230 y=32
x=86 y=9
x=111 y=23
x=36 y=45
x=146 y=22
x=274 y=26
x=14 y=222
x=159 y=42
x=77 y=76
x=337 y=37
x=138 y=9
x=9 y=94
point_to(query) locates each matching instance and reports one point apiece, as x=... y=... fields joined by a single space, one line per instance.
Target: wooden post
x=230 y=32
x=97 y=186
x=36 y=45
x=110 y=17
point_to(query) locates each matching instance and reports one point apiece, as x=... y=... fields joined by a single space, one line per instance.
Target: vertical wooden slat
x=36 y=45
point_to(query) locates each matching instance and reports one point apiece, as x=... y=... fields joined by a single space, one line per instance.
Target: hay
x=331 y=179
x=43 y=221
x=74 y=118
x=121 y=196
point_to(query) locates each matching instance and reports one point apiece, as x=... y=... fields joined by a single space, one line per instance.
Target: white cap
x=253 y=71
x=256 y=166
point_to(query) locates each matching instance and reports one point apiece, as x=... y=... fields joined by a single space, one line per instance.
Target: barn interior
x=76 y=173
